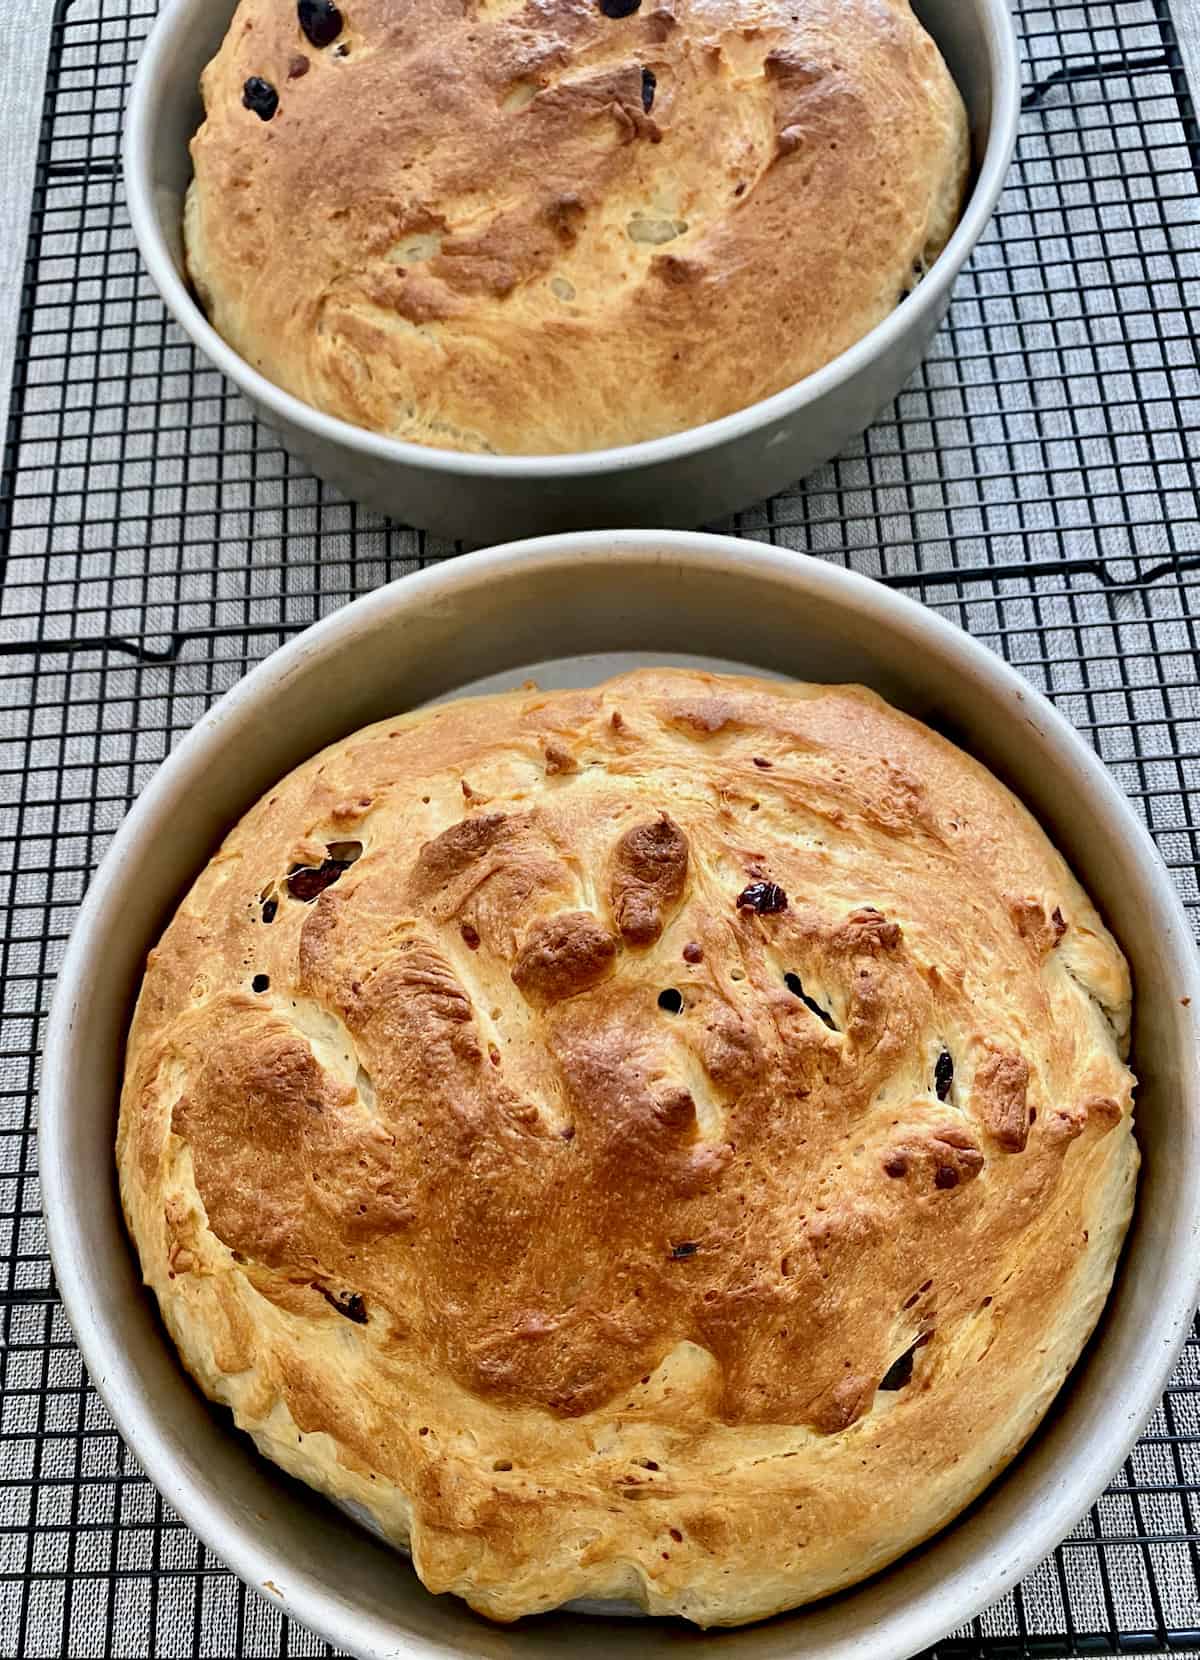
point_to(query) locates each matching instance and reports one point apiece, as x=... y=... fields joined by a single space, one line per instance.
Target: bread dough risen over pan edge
x=668 y=1141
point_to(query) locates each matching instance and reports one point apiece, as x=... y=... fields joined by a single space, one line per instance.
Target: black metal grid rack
x=1036 y=482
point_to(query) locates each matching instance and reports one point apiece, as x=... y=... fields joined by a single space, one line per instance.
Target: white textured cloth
x=1048 y=448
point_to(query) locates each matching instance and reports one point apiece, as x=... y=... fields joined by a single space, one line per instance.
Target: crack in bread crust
x=560 y=1205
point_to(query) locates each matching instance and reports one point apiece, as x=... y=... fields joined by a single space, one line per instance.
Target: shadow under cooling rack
x=1036 y=481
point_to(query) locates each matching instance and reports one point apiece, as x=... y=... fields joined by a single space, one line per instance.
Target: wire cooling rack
x=1036 y=482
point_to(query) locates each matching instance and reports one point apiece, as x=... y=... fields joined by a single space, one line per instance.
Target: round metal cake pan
x=686 y=479
x=599 y=603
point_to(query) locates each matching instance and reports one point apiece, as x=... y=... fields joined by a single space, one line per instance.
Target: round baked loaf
x=566 y=224
x=666 y=1142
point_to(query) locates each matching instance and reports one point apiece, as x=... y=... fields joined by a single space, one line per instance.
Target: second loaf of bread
x=565 y=225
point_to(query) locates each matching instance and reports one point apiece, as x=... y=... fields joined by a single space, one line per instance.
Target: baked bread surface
x=665 y=1142
x=541 y=228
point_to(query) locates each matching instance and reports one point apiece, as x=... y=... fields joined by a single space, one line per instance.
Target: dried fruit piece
x=767 y=898
x=943 y=1074
x=649 y=82
x=619 y=8
x=261 y=97
x=320 y=20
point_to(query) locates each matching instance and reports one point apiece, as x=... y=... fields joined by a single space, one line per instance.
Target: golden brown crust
x=649 y=872
x=630 y=1178
x=463 y=225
